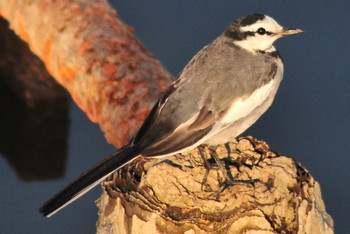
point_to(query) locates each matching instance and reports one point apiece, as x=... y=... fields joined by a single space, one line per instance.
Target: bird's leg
x=209 y=166
x=221 y=166
x=229 y=179
x=206 y=164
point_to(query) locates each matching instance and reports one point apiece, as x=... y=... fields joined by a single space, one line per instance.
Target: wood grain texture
x=166 y=195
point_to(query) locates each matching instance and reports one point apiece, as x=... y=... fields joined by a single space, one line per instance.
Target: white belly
x=243 y=113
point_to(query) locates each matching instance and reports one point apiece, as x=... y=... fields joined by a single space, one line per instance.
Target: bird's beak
x=288 y=31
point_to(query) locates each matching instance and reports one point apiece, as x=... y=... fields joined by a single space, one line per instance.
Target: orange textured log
x=95 y=56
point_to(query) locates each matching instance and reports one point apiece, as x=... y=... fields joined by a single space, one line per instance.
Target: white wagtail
x=221 y=92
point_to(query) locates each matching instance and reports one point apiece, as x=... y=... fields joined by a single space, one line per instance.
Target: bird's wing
x=162 y=134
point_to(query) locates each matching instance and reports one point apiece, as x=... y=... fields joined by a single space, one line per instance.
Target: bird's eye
x=261 y=31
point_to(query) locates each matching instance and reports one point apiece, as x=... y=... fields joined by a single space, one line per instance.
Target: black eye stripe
x=239 y=35
x=263 y=31
x=266 y=32
x=251 y=33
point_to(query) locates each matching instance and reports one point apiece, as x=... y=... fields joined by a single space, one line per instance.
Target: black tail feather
x=89 y=179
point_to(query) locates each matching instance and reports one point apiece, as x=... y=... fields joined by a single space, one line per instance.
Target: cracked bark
x=113 y=78
x=165 y=195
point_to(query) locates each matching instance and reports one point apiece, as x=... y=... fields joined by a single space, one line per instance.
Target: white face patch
x=259 y=42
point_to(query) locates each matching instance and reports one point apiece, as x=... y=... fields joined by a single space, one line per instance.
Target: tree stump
x=167 y=196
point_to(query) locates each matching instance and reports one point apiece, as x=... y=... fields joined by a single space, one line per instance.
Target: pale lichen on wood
x=166 y=195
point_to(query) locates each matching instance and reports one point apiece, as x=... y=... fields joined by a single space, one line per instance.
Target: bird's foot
x=228 y=183
x=229 y=179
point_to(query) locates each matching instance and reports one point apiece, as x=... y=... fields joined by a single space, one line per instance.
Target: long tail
x=89 y=179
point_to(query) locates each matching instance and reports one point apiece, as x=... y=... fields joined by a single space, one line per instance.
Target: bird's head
x=257 y=32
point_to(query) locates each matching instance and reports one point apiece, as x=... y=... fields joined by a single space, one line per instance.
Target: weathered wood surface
x=166 y=196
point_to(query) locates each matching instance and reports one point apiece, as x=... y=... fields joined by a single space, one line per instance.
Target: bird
x=220 y=93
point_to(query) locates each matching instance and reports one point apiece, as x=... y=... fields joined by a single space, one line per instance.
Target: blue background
x=308 y=121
